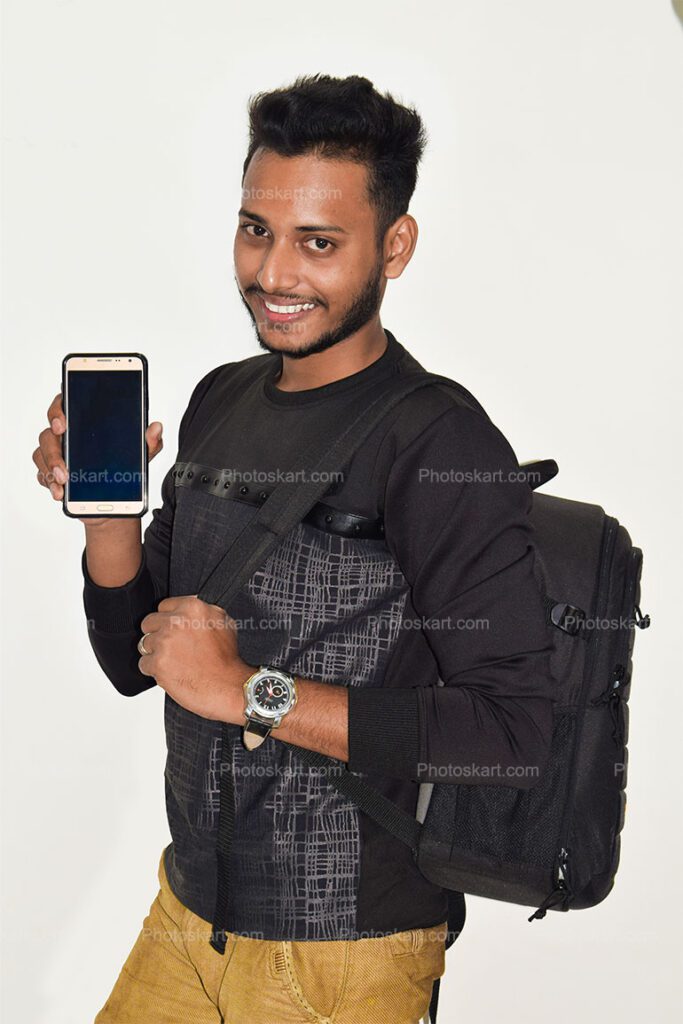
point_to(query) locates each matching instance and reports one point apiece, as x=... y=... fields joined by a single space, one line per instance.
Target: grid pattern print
x=322 y=606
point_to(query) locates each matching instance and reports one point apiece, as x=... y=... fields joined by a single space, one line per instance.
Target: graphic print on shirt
x=323 y=606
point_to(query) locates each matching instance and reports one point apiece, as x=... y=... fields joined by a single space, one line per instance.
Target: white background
x=547 y=279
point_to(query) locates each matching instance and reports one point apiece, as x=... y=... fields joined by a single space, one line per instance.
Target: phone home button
x=105 y=508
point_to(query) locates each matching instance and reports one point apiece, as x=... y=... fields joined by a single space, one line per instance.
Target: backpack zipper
x=612 y=697
x=562 y=891
x=616 y=696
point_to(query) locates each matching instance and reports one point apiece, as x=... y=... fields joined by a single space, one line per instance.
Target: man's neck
x=342 y=360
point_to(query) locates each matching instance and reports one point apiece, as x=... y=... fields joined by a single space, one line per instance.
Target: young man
x=416 y=569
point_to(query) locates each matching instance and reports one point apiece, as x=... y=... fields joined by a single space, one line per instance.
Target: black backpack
x=554 y=845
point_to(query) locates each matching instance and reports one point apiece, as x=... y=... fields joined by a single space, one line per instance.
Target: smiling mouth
x=284 y=312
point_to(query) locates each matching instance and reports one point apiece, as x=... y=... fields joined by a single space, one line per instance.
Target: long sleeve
x=456 y=520
x=114 y=614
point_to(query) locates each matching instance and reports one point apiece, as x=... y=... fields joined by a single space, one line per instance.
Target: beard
x=358 y=313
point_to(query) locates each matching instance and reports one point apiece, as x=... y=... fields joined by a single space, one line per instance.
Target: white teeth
x=288 y=309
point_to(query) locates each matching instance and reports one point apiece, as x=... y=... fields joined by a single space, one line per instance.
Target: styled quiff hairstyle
x=348 y=119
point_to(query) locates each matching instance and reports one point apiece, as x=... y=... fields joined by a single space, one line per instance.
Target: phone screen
x=104 y=444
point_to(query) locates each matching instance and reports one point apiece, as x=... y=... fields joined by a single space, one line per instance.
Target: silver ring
x=141 y=644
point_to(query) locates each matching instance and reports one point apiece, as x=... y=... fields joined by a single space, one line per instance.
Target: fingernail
x=56 y=424
x=60 y=475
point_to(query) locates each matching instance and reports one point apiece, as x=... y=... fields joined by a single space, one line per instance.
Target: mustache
x=288 y=298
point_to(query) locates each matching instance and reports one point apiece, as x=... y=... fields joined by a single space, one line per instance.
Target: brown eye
x=326 y=241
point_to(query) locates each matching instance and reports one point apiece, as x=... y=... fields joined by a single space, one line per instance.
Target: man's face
x=287 y=254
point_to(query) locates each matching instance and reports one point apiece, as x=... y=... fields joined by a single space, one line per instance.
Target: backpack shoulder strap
x=290 y=501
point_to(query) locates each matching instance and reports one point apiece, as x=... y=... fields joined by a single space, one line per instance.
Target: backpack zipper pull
x=612 y=689
x=642 y=621
x=561 y=894
x=612 y=695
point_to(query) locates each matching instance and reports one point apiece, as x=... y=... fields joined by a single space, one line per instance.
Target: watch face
x=271 y=694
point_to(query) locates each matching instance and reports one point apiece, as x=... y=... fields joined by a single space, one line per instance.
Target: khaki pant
x=173 y=976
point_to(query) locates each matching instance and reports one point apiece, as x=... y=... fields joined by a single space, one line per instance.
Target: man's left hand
x=193 y=655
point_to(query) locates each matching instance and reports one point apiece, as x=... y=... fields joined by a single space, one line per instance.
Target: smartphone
x=104 y=397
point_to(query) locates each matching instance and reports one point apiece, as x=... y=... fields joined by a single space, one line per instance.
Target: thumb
x=154 y=437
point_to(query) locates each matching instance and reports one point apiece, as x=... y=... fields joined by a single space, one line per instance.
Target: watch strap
x=255 y=731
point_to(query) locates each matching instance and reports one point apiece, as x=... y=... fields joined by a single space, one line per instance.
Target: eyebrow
x=303 y=227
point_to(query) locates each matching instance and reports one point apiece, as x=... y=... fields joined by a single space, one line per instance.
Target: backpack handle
x=539 y=472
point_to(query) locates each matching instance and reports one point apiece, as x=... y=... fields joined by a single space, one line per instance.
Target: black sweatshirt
x=431 y=583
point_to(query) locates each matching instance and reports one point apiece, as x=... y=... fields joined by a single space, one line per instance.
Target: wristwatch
x=269 y=694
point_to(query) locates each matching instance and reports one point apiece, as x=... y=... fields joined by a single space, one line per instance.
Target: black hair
x=344 y=118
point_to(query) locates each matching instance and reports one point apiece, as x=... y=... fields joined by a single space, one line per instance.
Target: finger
x=52 y=442
x=51 y=448
x=150 y=624
x=171 y=604
x=55 y=415
x=42 y=467
x=148 y=641
x=144 y=666
x=45 y=477
x=154 y=438
x=53 y=488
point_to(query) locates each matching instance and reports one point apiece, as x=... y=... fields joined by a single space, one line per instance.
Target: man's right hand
x=52 y=470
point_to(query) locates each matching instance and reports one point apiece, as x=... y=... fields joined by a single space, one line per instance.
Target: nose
x=277 y=275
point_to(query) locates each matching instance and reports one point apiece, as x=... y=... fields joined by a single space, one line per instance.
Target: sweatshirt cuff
x=118 y=609
x=384 y=732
